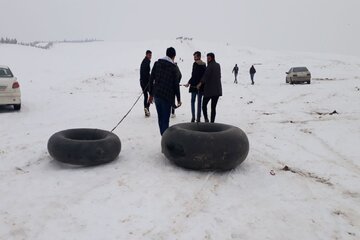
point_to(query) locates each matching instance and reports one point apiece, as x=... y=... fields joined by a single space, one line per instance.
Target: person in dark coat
x=235 y=71
x=144 y=80
x=164 y=87
x=212 y=86
x=198 y=71
x=252 y=73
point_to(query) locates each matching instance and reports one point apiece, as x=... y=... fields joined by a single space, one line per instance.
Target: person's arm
x=143 y=70
x=178 y=74
x=151 y=84
x=176 y=85
x=204 y=77
x=191 y=80
x=147 y=69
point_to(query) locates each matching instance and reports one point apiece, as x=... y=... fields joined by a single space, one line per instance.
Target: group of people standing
x=252 y=72
x=162 y=86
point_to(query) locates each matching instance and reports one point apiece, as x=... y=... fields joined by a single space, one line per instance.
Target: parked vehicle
x=9 y=88
x=298 y=75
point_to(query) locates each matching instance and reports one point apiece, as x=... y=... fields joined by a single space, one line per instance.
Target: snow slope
x=142 y=195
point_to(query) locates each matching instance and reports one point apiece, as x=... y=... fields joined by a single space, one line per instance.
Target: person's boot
x=147 y=112
x=192 y=119
x=206 y=120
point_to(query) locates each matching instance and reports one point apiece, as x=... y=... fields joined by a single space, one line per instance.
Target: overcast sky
x=306 y=25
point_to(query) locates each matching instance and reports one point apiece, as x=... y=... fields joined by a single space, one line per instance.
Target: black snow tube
x=205 y=146
x=86 y=147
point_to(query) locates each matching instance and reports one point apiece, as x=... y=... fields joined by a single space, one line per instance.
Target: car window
x=5 y=72
x=301 y=69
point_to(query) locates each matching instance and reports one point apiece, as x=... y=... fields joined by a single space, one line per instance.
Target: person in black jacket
x=235 y=72
x=164 y=86
x=212 y=88
x=198 y=71
x=252 y=73
x=144 y=80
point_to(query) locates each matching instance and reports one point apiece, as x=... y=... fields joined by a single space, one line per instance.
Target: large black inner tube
x=205 y=146
x=84 y=146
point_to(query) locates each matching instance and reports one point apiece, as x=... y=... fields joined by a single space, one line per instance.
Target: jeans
x=214 y=101
x=163 y=109
x=193 y=98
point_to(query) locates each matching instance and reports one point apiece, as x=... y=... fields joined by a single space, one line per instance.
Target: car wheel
x=17 y=107
x=308 y=82
x=205 y=146
x=86 y=147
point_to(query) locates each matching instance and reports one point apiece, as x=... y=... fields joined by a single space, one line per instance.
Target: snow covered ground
x=143 y=196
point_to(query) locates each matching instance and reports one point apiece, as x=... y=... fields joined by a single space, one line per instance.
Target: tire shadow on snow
x=56 y=165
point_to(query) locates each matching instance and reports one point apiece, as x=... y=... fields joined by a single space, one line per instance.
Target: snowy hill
x=141 y=195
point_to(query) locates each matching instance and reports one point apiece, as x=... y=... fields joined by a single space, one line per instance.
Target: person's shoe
x=147 y=112
x=193 y=120
x=206 y=120
x=173 y=115
x=198 y=120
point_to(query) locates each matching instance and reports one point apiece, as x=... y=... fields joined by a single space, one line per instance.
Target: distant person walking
x=212 y=86
x=144 y=80
x=197 y=73
x=252 y=73
x=235 y=71
x=164 y=86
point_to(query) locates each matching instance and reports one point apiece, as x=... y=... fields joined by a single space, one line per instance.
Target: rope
x=131 y=109
x=127 y=112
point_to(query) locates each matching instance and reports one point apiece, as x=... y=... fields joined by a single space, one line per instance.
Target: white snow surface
x=141 y=195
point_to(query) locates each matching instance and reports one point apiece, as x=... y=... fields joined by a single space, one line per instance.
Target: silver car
x=298 y=75
x=9 y=88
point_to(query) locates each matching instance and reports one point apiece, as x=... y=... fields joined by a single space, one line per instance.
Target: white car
x=9 y=88
x=298 y=75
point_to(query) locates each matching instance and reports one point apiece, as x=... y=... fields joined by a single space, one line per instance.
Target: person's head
x=171 y=53
x=210 y=57
x=148 y=54
x=235 y=65
x=197 y=55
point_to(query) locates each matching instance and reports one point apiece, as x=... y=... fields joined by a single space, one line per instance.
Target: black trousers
x=214 y=101
x=145 y=89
